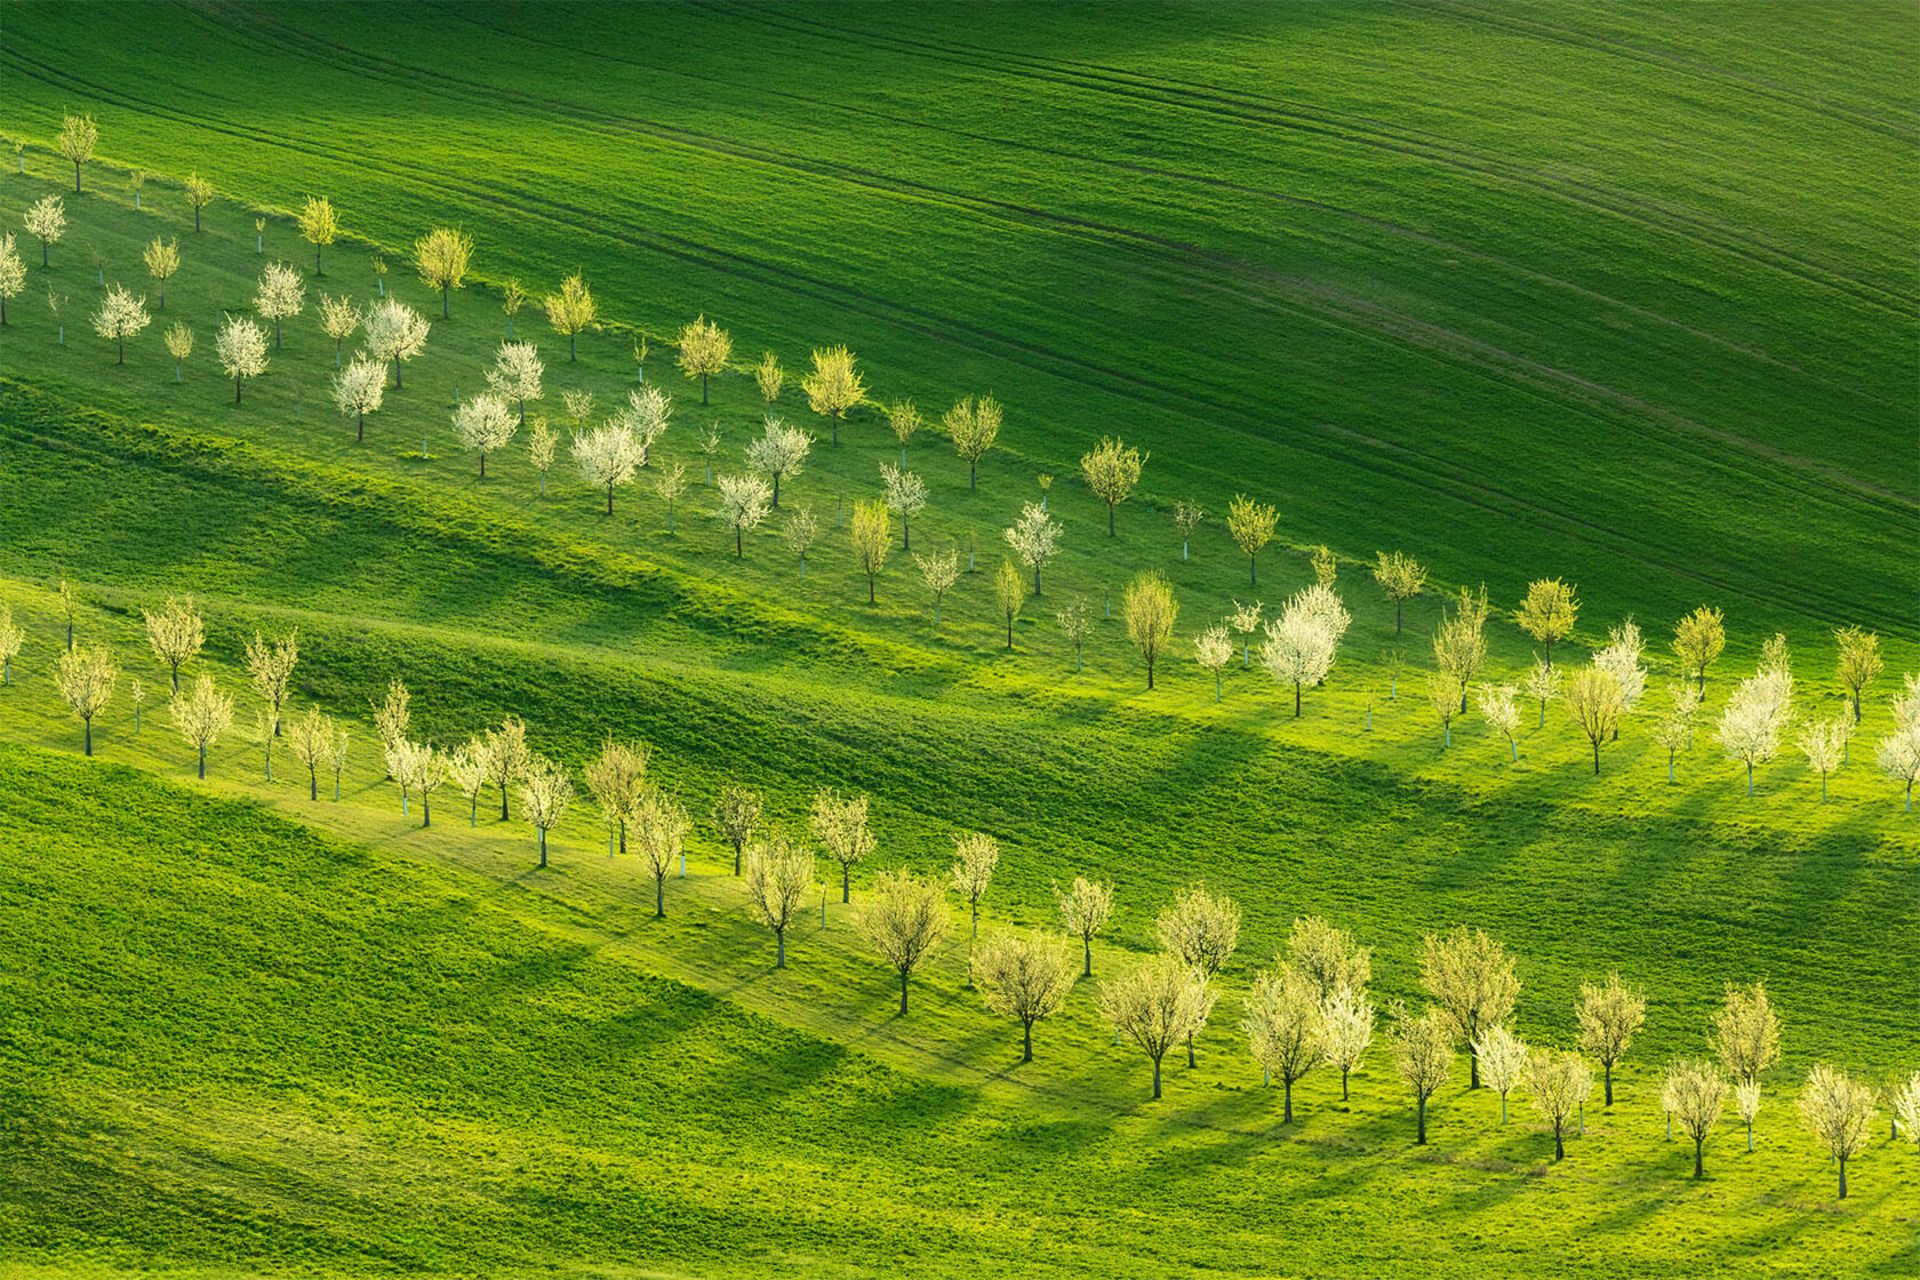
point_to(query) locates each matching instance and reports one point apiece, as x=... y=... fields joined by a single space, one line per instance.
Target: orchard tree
x=1610 y=1015
x=1824 y=746
x=1502 y=714
x=319 y=227
x=903 y=419
x=1085 y=907
x=872 y=539
x=270 y=665
x=1548 y=613
x=834 y=387
x=1401 y=578
x=976 y=855
x=358 y=390
x=779 y=879
x=202 y=717
x=615 y=779
x=1201 y=929
x=395 y=334
x=907 y=494
x=1593 y=701
x=1111 y=470
x=1187 y=517
x=1010 y=593
x=1076 y=624
x=163 y=263
x=1150 y=611
x=1285 y=1029
x=660 y=830
x=800 y=530
x=393 y=715
x=176 y=634
x=1754 y=718
x=516 y=375
x=1745 y=1032
x=1898 y=757
x=512 y=298
x=1023 y=977
x=646 y=414
x=1838 y=1112
x=779 y=454
x=607 y=457
x=281 y=293
x=339 y=320
x=1423 y=1055
x=1621 y=659
x=1698 y=639
x=1034 y=537
x=1444 y=697
x=1328 y=957
x=744 y=502
x=768 y=378
x=571 y=310
x=939 y=571
x=973 y=426
x=484 y=425
x=542 y=446
x=468 y=768
x=46 y=220
x=1299 y=650
x=1213 y=650
x=1460 y=641
x=1858 y=663
x=669 y=483
x=13 y=273
x=840 y=824
x=12 y=636
x=311 y=738
x=199 y=195
x=1675 y=730
x=704 y=349
x=509 y=759
x=1245 y=619
x=1348 y=1017
x=1157 y=1005
x=441 y=257
x=736 y=815
x=1559 y=1085
x=79 y=135
x=904 y=921
x=1251 y=524
x=1471 y=979
x=545 y=792
x=121 y=316
x=1694 y=1093
x=85 y=679
x=1906 y=1107
x=1505 y=1061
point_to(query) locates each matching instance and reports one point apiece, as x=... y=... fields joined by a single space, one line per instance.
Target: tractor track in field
x=1241 y=108
x=1533 y=28
x=1467 y=488
x=1286 y=291
x=1177 y=176
x=982 y=339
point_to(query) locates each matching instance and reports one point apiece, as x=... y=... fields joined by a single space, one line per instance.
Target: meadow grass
x=1424 y=297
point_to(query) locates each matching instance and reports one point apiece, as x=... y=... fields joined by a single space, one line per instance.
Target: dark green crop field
x=1623 y=294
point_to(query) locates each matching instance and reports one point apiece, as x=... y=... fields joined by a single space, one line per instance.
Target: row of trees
x=1311 y=1010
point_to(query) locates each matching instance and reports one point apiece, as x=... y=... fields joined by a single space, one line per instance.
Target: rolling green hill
x=1617 y=293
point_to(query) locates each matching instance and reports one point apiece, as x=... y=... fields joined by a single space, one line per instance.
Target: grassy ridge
x=1447 y=326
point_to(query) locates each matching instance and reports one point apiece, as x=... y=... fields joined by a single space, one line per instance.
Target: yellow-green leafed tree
x=834 y=386
x=704 y=349
x=1150 y=610
x=319 y=227
x=1111 y=470
x=441 y=257
x=904 y=921
x=79 y=135
x=571 y=310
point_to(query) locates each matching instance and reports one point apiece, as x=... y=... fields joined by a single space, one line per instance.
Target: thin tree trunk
x=1343 y=1084
x=846 y=882
x=1698 y=1169
x=1287 y=1113
x=1087 y=942
x=1156 y=1079
x=313 y=784
x=503 y=805
x=1843 y=1178
x=543 y=846
x=659 y=897
x=903 y=992
x=1026 y=1051
x=1420 y=1131
x=1559 y=1143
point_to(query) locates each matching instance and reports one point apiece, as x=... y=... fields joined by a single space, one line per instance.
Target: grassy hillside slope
x=1626 y=294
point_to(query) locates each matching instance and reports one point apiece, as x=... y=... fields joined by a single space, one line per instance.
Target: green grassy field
x=1619 y=294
